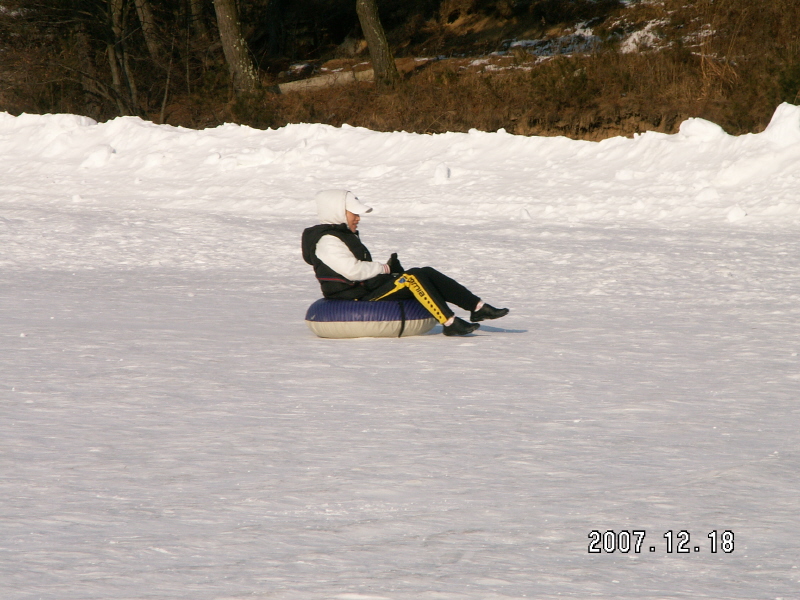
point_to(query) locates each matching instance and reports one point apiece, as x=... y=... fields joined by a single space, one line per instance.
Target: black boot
x=487 y=312
x=460 y=327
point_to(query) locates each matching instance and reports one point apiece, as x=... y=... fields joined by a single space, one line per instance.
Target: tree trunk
x=116 y=81
x=145 y=12
x=382 y=60
x=235 y=48
x=118 y=60
x=196 y=18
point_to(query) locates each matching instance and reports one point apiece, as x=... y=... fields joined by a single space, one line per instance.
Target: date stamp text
x=625 y=542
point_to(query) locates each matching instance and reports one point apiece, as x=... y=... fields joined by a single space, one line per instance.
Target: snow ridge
x=697 y=175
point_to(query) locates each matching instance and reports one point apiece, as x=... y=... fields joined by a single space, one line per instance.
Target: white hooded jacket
x=331 y=207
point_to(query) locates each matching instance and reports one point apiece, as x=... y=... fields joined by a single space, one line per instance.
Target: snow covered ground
x=169 y=428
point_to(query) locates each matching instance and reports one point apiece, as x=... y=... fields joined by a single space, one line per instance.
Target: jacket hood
x=332 y=204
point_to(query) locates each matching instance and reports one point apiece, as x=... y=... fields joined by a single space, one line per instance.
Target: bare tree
x=122 y=78
x=196 y=18
x=145 y=12
x=237 y=55
x=383 y=63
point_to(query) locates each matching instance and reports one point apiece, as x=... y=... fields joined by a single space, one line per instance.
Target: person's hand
x=394 y=264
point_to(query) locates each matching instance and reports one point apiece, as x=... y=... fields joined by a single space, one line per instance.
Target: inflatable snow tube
x=382 y=318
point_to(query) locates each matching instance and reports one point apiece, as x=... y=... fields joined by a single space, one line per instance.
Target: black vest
x=332 y=283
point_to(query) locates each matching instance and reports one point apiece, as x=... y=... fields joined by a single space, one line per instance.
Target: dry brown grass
x=585 y=97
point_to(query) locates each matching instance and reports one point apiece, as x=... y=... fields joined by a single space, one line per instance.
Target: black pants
x=441 y=289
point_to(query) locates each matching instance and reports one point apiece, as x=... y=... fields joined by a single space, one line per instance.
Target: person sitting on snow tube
x=345 y=269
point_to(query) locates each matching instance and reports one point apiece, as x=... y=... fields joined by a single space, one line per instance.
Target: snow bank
x=700 y=174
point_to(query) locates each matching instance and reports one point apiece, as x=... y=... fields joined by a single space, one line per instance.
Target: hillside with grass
x=583 y=69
